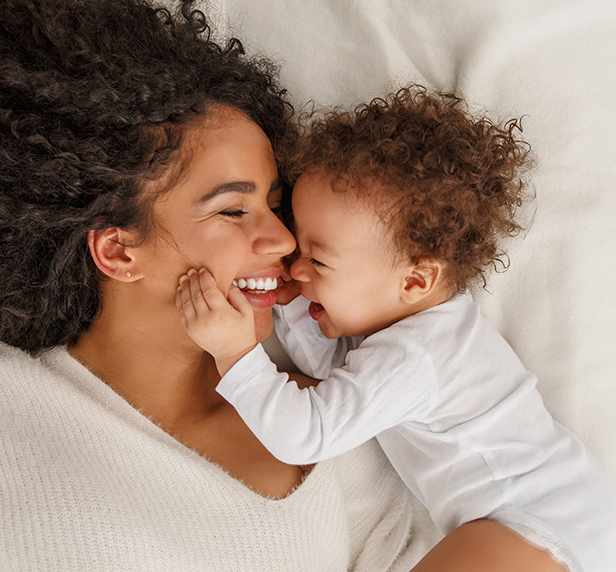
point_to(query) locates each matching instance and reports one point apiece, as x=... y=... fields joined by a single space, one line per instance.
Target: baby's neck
x=434 y=298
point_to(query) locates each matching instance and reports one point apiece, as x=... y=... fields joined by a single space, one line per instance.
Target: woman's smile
x=256 y=284
x=260 y=290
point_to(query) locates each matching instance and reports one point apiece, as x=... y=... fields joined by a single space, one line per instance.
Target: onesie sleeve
x=382 y=383
x=300 y=337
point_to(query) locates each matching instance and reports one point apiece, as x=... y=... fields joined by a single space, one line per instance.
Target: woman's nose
x=274 y=237
x=299 y=270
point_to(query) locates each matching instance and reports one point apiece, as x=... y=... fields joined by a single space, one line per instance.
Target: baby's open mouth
x=316 y=310
x=256 y=285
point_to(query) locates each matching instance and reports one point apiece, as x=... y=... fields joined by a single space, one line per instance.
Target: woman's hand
x=223 y=327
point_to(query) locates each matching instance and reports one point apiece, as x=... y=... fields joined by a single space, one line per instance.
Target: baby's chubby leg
x=486 y=546
x=222 y=326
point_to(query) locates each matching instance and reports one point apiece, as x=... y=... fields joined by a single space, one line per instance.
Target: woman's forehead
x=222 y=148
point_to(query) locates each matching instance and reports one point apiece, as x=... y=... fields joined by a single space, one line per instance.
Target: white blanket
x=552 y=61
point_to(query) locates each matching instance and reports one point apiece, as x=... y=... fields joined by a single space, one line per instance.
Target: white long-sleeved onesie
x=455 y=411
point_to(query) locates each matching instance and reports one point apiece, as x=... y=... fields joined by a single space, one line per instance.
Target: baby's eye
x=315 y=262
x=233 y=213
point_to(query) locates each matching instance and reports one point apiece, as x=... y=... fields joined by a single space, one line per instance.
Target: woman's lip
x=265 y=300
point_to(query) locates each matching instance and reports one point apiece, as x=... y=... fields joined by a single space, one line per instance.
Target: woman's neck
x=154 y=367
x=145 y=355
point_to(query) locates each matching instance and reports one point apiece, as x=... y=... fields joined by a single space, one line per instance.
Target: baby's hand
x=223 y=327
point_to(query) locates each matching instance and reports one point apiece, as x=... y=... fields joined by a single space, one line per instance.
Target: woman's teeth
x=256 y=284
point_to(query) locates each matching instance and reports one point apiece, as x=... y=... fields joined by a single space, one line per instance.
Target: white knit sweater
x=88 y=483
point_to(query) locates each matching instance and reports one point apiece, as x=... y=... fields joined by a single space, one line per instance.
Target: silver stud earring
x=128 y=274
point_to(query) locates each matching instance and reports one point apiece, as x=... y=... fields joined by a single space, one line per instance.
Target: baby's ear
x=421 y=280
x=111 y=255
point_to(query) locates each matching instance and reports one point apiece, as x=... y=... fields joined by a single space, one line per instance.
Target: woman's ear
x=111 y=255
x=421 y=280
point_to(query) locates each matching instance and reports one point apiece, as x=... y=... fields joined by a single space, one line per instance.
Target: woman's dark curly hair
x=447 y=184
x=95 y=96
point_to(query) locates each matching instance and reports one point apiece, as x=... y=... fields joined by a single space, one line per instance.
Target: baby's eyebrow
x=320 y=246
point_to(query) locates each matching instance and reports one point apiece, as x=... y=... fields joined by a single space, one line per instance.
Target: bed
x=552 y=62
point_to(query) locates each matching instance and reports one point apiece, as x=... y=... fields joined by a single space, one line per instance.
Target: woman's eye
x=315 y=262
x=233 y=213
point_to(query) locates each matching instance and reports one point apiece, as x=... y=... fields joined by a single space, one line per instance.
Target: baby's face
x=346 y=266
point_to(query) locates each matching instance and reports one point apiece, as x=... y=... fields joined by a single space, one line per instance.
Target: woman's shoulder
x=18 y=372
x=11 y=356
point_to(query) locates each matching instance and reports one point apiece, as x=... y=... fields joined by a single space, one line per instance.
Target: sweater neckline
x=60 y=360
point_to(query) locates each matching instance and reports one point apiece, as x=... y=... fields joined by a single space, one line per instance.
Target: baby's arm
x=297 y=422
x=355 y=403
x=313 y=353
x=224 y=327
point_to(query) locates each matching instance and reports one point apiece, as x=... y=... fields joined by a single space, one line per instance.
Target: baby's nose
x=298 y=270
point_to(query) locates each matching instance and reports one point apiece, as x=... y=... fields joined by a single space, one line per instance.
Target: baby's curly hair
x=95 y=96
x=449 y=185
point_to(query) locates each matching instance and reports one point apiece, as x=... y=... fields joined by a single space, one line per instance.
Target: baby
x=400 y=207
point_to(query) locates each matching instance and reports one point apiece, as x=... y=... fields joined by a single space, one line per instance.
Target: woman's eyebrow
x=242 y=187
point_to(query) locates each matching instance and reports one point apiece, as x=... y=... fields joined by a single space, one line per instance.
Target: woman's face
x=220 y=215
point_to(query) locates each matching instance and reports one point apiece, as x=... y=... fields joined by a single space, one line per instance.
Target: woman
x=132 y=149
